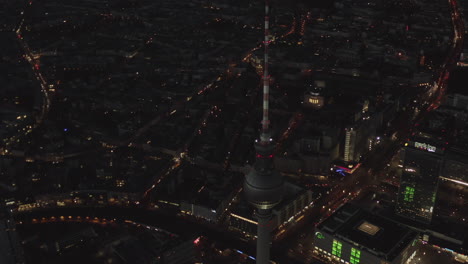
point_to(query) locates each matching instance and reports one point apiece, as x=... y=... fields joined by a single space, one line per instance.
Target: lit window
x=409 y=194
x=336 y=248
x=355 y=256
x=314 y=101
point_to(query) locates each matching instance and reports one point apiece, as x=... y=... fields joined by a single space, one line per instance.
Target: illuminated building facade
x=422 y=159
x=295 y=200
x=419 y=181
x=314 y=101
x=349 y=148
x=359 y=139
x=360 y=134
x=354 y=236
x=313 y=98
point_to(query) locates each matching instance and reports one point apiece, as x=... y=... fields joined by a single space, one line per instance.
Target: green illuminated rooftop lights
x=319 y=235
x=409 y=194
x=336 y=248
x=355 y=256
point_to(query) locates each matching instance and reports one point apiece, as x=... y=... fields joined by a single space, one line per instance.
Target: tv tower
x=263 y=186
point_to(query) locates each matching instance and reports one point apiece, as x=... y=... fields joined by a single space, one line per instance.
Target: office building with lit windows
x=360 y=134
x=419 y=181
x=354 y=236
x=423 y=158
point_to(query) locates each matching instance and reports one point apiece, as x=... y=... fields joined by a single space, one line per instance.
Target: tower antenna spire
x=264 y=136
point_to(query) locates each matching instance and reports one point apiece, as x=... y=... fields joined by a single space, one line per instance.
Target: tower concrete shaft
x=263 y=235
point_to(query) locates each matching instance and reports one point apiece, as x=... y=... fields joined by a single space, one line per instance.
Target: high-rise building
x=423 y=157
x=359 y=138
x=419 y=180
x=350 y=144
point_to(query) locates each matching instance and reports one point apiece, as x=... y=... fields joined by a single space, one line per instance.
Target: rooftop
x=375 y=234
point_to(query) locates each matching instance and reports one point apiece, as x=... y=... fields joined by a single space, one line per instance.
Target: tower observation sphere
x=263 y=186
